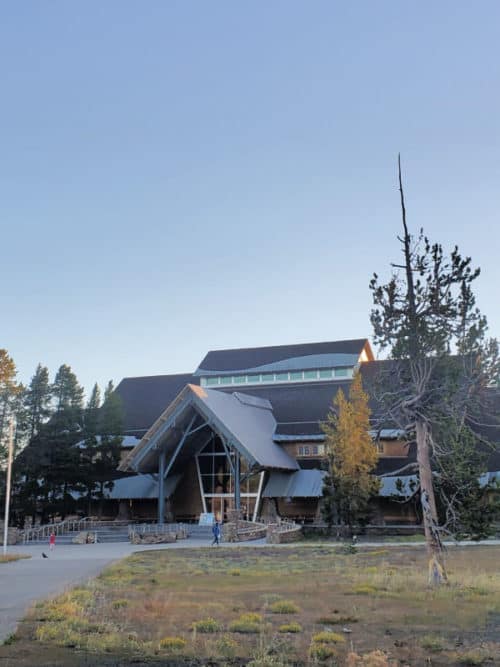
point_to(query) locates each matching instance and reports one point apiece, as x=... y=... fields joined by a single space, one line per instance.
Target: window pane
x=252 y=379
x=212 y=380
x=226 y=380
x=296 y=375
x=281 y=377
x=239 y=379
x=310 y=375
x=267 y=377
x=326 y=373
x=341 y=372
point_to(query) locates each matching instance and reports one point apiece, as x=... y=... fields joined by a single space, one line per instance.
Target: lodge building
x=244 y=431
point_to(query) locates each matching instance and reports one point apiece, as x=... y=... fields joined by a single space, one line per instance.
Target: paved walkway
x=24 y=581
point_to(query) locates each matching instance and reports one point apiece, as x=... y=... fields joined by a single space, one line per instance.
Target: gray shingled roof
x=245 y=421
x=281 y=357
x=300 y=484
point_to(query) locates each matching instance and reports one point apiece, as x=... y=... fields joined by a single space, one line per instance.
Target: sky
x=183 y=176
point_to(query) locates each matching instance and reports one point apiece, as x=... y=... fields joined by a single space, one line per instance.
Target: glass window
x=310 y=375
x=296 y=375
x=213 y=380
x=226 y=380
x=315 y=449
x=267 y=377
x=326 y=373
x=239 y=379
x=281 y=377
x=306 y=451
x=253 y=379
x=341 y=372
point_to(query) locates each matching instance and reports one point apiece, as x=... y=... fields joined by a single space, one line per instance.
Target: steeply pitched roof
x=283 y=357
x=145 y=398
x=300 y=484
x=245 y=421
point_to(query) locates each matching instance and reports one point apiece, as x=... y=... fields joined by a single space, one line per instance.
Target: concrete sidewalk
x=25 y=581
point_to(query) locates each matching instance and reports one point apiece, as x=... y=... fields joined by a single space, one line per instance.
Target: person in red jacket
x=52 y=541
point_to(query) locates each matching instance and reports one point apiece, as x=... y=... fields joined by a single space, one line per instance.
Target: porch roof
x=244 y=421
x=300 y=484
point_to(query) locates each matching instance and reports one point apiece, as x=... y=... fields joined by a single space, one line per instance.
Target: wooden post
x=7 y=490
x=237 y=495
x=161 y=485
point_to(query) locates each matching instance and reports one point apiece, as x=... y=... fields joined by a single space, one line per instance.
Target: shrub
x=172 y=643
x=372 y=659
x=432 y=643
x=364 y=589
x=284 y=607
x=235 y=572
x=249 y=623
x=322 y=652
x=290 y=627
x=118 y=604
x=328 y=638
x=227 y=647
x=207 y=625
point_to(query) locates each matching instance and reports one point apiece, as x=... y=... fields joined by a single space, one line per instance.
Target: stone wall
x=283 y=533
x=13 y=534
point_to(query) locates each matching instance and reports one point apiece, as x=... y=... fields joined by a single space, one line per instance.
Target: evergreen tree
x=37 y=399
x=111 y=438
x=352 y=457
x=457 y=476
x=422 y=315
x=90 y=451
x=9 y=392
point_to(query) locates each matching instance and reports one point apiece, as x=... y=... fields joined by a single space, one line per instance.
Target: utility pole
x=7 y=489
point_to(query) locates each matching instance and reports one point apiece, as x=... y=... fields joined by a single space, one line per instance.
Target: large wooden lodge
x=244 y=430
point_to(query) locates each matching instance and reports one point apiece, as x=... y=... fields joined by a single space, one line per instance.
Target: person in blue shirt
x=216 y=532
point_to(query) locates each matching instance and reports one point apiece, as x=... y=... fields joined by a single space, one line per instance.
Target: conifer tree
x=37 y=398
x=352 y=457
x=423 y=314
x=9 y=391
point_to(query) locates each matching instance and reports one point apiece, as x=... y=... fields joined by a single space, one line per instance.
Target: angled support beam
x=179 y=446
x=228 y=453
x=237 y=496
x=161 y=485
x=198 y=428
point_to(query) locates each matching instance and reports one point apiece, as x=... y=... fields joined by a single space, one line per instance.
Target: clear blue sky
x=183 y=176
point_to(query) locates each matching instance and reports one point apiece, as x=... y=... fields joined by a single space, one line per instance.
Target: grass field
x=272 y=606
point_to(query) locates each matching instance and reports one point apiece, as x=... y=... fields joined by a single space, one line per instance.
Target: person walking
x=216 y=533
x=52 y=541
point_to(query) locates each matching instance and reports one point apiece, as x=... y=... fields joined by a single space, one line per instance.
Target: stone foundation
x=13 y=534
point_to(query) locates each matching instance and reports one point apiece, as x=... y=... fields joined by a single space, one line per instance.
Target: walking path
x=24 y=581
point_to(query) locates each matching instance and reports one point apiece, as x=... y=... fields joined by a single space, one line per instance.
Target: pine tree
x=37 y=398
x=111 y=438
x=9 y=392
x=352 y=457
x=422 y=315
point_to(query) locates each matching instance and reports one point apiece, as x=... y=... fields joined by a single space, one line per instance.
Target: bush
x=290 y=627
x=284 y=607
x=207 y=625
x=249 y=623
x=328 y=638
x=432 y=643
x=172 y=643
x=118 y=604
x=227 y=647
x=322 y=652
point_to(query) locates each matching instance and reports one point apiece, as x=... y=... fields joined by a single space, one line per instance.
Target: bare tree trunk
x=437 y=569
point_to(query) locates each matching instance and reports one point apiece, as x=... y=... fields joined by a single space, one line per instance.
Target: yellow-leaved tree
x=352 y=456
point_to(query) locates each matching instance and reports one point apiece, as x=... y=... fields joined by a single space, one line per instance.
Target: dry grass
x=9 y=558
x=189 y=603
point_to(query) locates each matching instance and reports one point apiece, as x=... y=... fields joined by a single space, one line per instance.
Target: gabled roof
x=284 y=357
x=145 y=398
x=247 y=422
